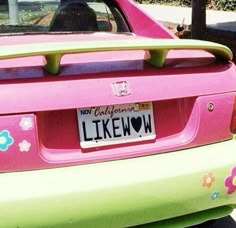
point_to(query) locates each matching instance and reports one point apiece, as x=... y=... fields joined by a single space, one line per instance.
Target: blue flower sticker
x=215 y=195
x=5 y=140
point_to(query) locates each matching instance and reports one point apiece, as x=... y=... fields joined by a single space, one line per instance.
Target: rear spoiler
x=158 y=49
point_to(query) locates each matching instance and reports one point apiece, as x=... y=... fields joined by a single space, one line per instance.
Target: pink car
x=109 y=120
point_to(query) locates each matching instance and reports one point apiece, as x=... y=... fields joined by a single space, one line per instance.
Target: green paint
x=158 y=49
x=157 y=58
x=121 y=193
x=53 y=63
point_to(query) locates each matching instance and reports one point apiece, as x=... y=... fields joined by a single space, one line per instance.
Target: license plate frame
x=115 y=124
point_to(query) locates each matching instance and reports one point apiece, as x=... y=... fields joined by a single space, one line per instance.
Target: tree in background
x=227 y=5
x=198 y=19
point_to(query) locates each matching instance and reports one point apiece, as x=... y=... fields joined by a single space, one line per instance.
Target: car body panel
x=183 y=176
x=121 y=193
x=148 y=26
x=66 y=96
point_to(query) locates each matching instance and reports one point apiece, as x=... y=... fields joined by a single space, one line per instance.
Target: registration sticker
x=115 y=124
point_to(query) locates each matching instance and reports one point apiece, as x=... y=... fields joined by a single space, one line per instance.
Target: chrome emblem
x=121 y=89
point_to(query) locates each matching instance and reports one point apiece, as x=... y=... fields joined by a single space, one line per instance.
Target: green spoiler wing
x=158 y=49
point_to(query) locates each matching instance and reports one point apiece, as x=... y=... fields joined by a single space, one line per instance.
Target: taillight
x=233 y=120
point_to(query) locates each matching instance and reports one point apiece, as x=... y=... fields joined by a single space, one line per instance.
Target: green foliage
x=227 y=5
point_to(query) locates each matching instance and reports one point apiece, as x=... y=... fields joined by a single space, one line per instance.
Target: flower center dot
x=3 y=140
x=234 y=181
x=208 y=180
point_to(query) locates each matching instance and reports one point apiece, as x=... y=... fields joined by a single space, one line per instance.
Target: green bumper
x=123 y=193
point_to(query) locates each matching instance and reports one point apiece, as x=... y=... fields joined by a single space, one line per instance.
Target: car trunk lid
x=162 y=109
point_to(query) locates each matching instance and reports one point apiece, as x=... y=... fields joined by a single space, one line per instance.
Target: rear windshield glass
x=27 y=16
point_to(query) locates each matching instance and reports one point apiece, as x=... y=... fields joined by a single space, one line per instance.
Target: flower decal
x=5 y=140
x=208 y=179
x=230 y=182
x=215 y=195
x=24 y=146
x=26 y=123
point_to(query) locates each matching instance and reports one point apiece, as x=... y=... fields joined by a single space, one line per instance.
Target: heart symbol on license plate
x=136 y=123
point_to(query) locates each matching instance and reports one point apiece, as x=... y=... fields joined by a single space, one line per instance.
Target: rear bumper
x=121 y=193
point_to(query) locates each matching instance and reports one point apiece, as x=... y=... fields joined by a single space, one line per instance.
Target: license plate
x=115 y=124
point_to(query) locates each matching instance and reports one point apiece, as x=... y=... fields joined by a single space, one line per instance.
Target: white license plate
x=115 y=124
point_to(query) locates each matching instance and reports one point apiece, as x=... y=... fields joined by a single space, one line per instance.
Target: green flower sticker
x=5 y=140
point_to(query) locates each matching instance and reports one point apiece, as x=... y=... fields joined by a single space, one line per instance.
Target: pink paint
x=142 y=24
x=180 y=92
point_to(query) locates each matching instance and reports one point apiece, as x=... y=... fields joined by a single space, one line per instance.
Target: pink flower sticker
x=207 y=180
x=24 y=146
x=26 y=123
x=230 y=182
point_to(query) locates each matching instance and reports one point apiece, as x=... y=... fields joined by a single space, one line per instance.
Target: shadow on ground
x=226 y=222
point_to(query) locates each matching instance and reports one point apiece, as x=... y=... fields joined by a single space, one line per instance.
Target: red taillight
x=233 y=120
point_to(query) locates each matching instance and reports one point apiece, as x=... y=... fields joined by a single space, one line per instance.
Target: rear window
x=27 y=16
